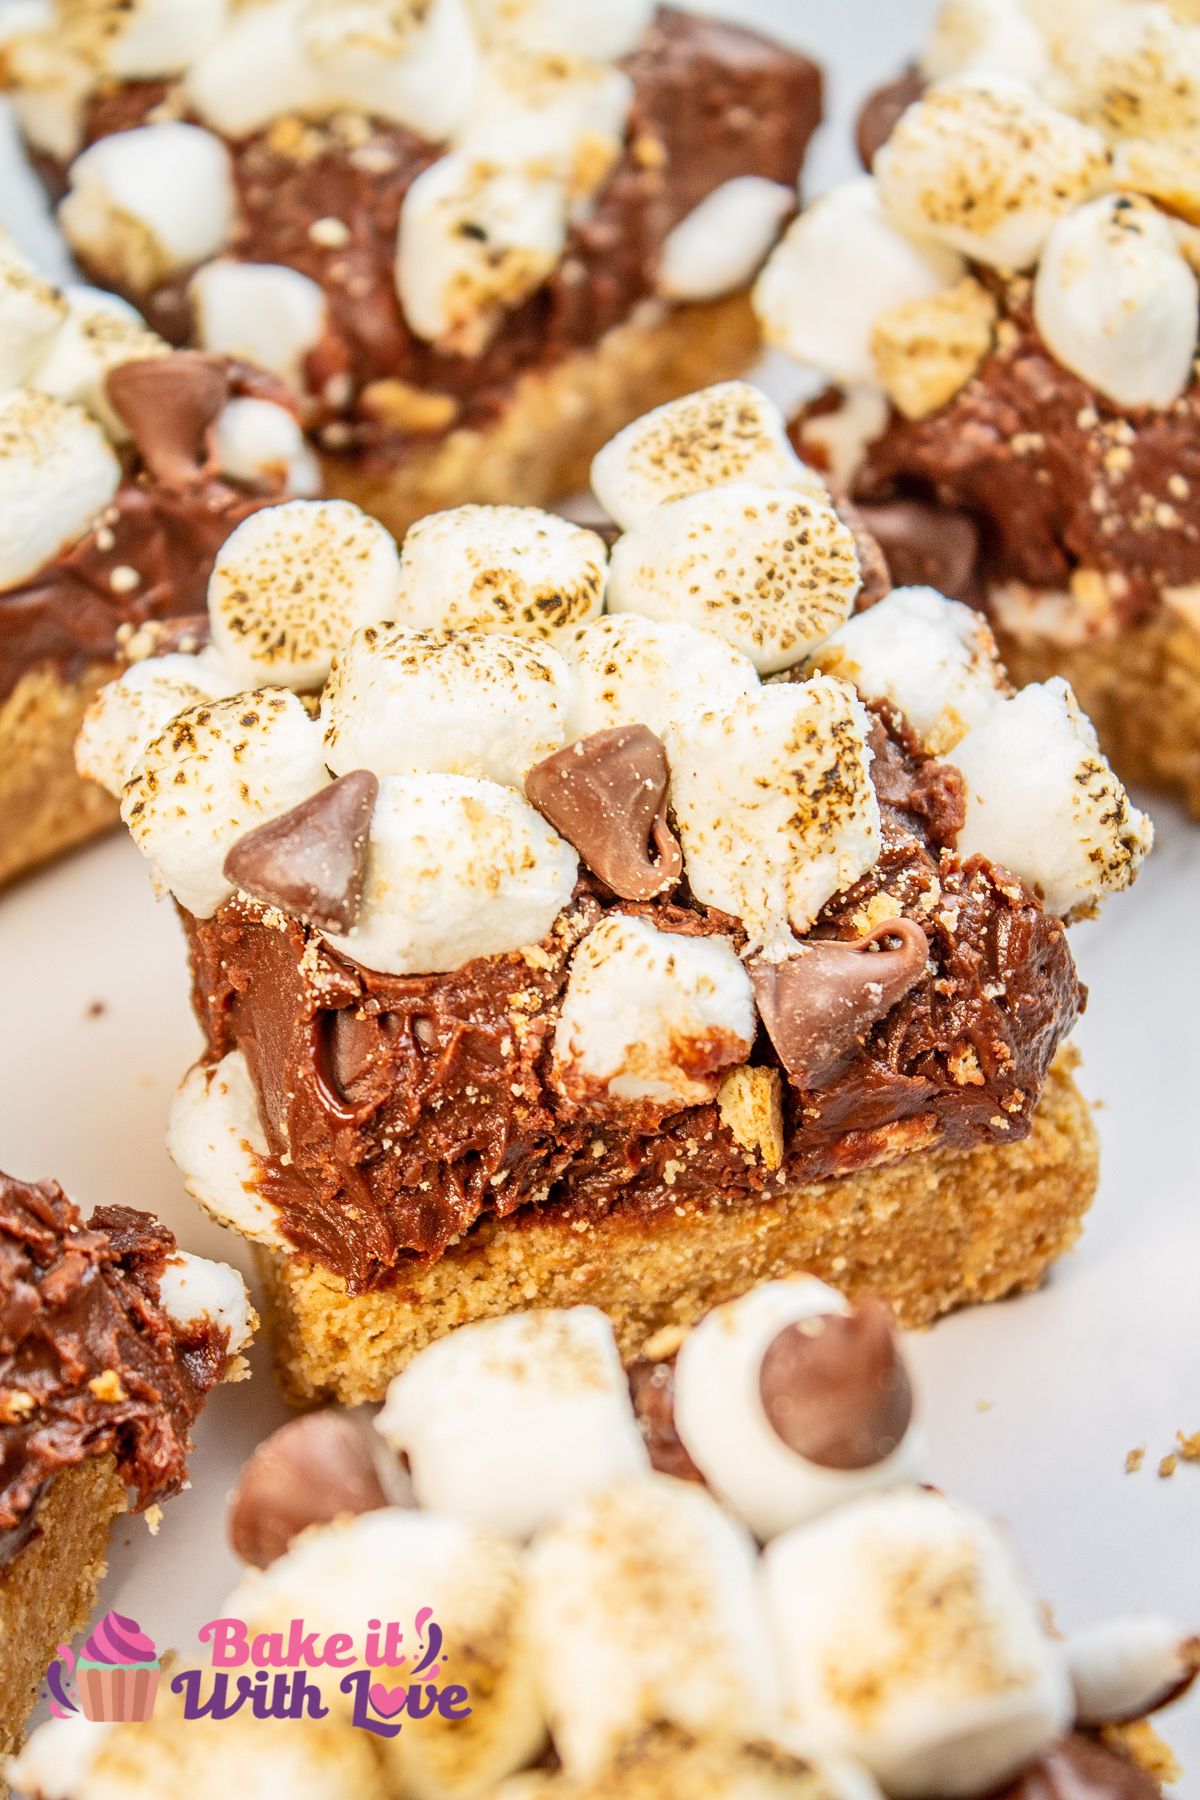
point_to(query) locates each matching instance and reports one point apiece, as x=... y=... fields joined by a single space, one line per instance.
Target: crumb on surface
x=1189 y=1445
x=1134 y=1459
x=96 y=1009
x=1167 y=1467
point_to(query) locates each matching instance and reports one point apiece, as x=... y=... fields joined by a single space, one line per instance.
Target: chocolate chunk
x=652 y=1389
x=607 y=795
x=835 y=1389
x=882 y=111
x=1082 y=1769
x=926 y=545
x=312 y=1470
x=312 y=861
x=818 y=1005
x=169 y=404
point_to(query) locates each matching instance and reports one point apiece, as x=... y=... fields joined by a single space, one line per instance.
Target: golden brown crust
x=44 y=806
x=934 y=1231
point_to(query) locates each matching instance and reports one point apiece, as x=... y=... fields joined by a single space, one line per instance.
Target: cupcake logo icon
x=114 y=1677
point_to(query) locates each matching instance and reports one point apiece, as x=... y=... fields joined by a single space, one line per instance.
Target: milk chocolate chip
x=1081 y=1769
x=312 y=1470
x=607 y=795
x=169 y=404
x=835 y=1389
x=312 y=861
x=883 y=110
x=926 y=545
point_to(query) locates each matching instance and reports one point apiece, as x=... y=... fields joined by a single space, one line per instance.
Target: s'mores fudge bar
x=1007 y=309
x=712 y=1575
x=123 y=466
x=475 y=236
x=110 y=1340
x=628 y=955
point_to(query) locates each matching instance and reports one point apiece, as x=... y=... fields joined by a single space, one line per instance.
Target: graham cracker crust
x=44 y=806
x=542 y=448
x=933 y=1231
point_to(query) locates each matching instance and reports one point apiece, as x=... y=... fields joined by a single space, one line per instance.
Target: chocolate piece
x=882 y=110
x=835 y=1389
x=312 y=861
x=311 y=1471
x=170 y=404
x=927 y=546
x=652 y=1389
x=607 y=795
x=1081 y=1769
x=818 y=1005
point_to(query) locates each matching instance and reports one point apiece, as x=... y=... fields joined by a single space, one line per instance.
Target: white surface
x=1105 y=1357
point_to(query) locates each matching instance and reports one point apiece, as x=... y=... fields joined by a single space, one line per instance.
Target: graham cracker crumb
x=108 y=1387
x=1144 y=1748
x=1134 y=1459
x=925 y=351
x=751 y=1107
x=1189 y=1445
x=1167 y=1467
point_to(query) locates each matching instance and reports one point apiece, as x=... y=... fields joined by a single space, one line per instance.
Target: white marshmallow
x=261 y=444
x=256 y=71
x=500 y=568
x=216 y=1139
x=127 y=714
x=508 y=1422
x=910 y=1641
x=645 y=1611
x=721 y=243
x=650 y=1015
x=770 y=570
x=1043 y=801
x=991 y=37
x=412 y=62
x=49 y=85
x=463 y=703
x=1134 y=73
x=987 y=167
x=31 y=311
x=145 y=40
x=292 y=583
x=775 y=807
x=933 y=658
x=191 y=1289
x=264 y=313
x=146 y=203
x=844 y=435
x=844 y=261
x=58 y=1760
x=57 y=471
x=99 y=333
x=1126 y=1668
x=722 y=434
x=216 y=771
x=551 y=114
x=1117 y=303
x=457 y=868
x=720 y=1418
x=566 y=27
x=631 y=670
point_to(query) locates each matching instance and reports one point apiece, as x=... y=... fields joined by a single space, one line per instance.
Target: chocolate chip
x=652 y=1389
x=607 y=795
x=882 y=112
x=170 y=404
x=312 y=1470
x=835 y=1389
x=1081 y=1769
x=926 y=545
x=817 y=1006
x=312 y=861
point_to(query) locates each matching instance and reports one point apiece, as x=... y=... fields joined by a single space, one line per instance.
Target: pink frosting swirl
x=116 y=1640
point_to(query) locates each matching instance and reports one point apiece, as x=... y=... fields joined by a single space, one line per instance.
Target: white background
x=1030 y=1407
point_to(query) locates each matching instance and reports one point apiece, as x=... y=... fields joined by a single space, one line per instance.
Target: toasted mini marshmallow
x=508 y=1422
x=844 y=261
x=910 y=1641
x=770 y=570
x=257 y=70
x=933 y=658
x=1117 y=303
x=1127 y=1668
x=1043 y=801
x=413 y=62
x=723 y=434
x=193 y=1290
x=721 y=243
x=50 y=84
x=57 y=471
x=551 y=113
x=58 y=1761
x=775 y=807
x=631 y=670
x=216 y=1140
x=99 y=333
x=145 y=39
x=990 y=37
x=31 y=311
x=457 y=868
x=401 y=701
x=500 y=568
x=565 y=27
x=130 y=712
x=216 y=771
x=722 y=1421
x=650 y=1015
x=842 y=437
x=146 y=203
x=261 y=444
x=606 y=1582
x=292 y=583
x=264 y=313
x=1134 y=73
x=987 y=167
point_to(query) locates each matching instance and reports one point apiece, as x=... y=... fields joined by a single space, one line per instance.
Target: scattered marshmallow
x=775 y=807
x=127 y=714
x=500 y=568
x=412 y=62
x=31 y=311
x=722 y=242
x=650 y=1015
x=216 y=1140
x=508 y=1422
x=843 y=437
x=262 y=445
x=216 y=771
x=99 y=333
x=256 y=71
x=50 y=84
x=457 y=868
x=1127 y=1668
x=771 y=570
x=566 y=27
x=264 y=313
x=192 y=1289
x=57 y=472
x=1116 y=302
x=1134 y=73
x=58 y=1761
x=910 y=1641
x=933 y=658
x=551 y=113
x=631 y=670
x=723 y=434
x=145 y=40
x=645 y=1611
x=146 y=203
x=988 y=168
x=1043 y=801
x=989 y=37
x=463 y=703
x=843 y=262
x=292 y=583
